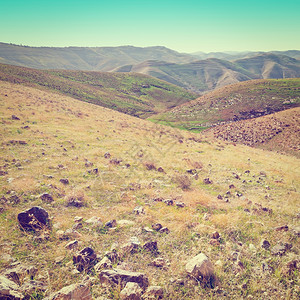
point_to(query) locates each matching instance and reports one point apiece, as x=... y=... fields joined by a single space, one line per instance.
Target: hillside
x=277 y=132
x=85 y=58
x=144 y=198
x=198 y=76
x=245 y=100
x=133 y=94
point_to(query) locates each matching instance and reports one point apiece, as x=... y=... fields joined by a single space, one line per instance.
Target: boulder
x=200 y=268
x=9 y=289
x=153 y=292
x=73 y=292
x=18 y=272
x=105 y=263
x=85 y=259
x=121 y=277
x=132 y=291
x=34 y=218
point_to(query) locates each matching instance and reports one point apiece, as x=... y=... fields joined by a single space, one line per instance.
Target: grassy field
x=64 y=138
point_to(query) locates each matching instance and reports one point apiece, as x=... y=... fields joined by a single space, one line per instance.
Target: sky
x=185 y=26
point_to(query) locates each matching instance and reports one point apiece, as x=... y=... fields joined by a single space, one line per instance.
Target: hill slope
x=85 y=58
x=245 y=100
x=277 y=132
x=95 y=162
x=133 y=94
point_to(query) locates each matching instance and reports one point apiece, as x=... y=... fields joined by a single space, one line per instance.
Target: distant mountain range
x=198 y=72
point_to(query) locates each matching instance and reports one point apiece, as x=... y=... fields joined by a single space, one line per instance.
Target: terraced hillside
x=122 y=199
x=245 y=100
x=134 y=94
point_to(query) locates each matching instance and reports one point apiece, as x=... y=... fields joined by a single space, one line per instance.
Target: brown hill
x=279 y=131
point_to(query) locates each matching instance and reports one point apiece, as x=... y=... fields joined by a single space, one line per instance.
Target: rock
x=159 y=262
x=85 y=259
x=220 y=197
x=265 y=244
x=112 y=256
x=296 y=231
x=200 y=268
x=107 y=155
x=129 y=248
x=168 y=201
x=161 y=170
x=215 y=235
x=14 y=117
x=150 y=247
x=280 y=249
x=95 y=221
x=207 y=181
x=72 y=245
x=34 y=218
x=153 y=292
x=46 y=198
x=292 y=266
x=19 y=272
x=282 y=228
x=9 y=290
x=111 y=224
x=139 y=210
x=88 y=164
x=121 y=277
x=214 y=242
x=132 y=291
x=73 y=292
x=77 y=226
x=105 y=263
x=164 y=230
x=78 y=219
x=231 y=186
x=180 y=204
x=148 y=230
x=64 y=181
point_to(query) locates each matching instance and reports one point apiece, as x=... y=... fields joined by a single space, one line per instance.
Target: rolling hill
x=123 y=197
x=209 y=74
x=244 y=100
x=134 y=94
x=85 y=58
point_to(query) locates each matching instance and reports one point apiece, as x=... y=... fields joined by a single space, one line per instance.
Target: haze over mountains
x=196 y=72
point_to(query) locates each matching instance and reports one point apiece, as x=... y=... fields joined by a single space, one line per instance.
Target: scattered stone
x=107 y=155
x=265 y=244
x=130 y=248
x=168 y=201
x=215 y=235
x=262 y=174
x=105 y=263
x=14 y=117
x=73 y=292
x=157 y=226
x=232 y=186
x=19 y=272
x=180 y=204
x=214 y=242
x=121 y=277
x=236 y=176
x=48 y=176
x=112 y=256
x=34 y=218
x=115 y=161
x=3 y=173
x=220 y=197
x=95 y=221
x=85 y=259
x=280 y=249
x=78 y=219
x=94 y=171
x=72 y=201
x=68 y=234
x=239 y=194
x=15 y=142
x=200 y=268
x=46 y=198
x=72 y=245
x=161 y=170
x=111 y=224
x=159 y=262
x=296 y=231
x=151 y=247
x=291 y=267
x=88 y=164
x=64 y=181
x=192 y=171
x=148 y=230
x=164 y=230
x=207 y=181
x=282 y=228
x=139 y=210
x=132 y=291
x=9 y=290
x=153 y=292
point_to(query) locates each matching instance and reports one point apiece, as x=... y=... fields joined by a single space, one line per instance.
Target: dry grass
x=61 y=140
